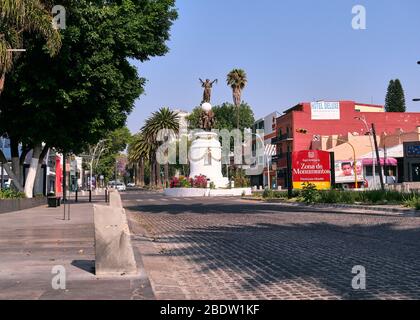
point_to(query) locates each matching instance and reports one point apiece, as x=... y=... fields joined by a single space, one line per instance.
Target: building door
x=415 y=172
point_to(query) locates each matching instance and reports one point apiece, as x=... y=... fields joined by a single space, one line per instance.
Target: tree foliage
x=74 y=99
x=395 y=98
x=237 y=80
x=224 y=117
x=18 y=18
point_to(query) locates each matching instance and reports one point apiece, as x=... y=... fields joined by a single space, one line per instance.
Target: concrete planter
x=10 y=205
x=196 y=192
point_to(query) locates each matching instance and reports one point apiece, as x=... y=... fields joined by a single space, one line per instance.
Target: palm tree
x=237 y=80
x=161 y=122
x=18 y=17
x=138 y=153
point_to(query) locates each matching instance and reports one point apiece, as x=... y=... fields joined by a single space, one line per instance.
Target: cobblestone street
x=228 y=248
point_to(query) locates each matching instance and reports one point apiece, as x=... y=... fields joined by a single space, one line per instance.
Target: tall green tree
x=237 y=80
x=19 y=17
x=223 y=116
x=395 y=97
x=74 y=99
x=115 y=142
x=139 y=152
x=160 y=121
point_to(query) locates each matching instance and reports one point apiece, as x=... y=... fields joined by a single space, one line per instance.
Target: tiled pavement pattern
x=33 y=241
x=230 y=249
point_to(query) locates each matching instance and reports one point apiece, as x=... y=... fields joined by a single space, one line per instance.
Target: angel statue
x=207 y=85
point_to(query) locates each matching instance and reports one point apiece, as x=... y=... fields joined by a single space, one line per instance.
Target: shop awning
x=388 y=162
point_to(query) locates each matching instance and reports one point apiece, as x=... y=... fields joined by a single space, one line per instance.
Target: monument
x=205 y=156
x=206 y=151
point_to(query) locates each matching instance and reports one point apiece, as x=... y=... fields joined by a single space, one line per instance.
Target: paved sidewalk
x=33 y=241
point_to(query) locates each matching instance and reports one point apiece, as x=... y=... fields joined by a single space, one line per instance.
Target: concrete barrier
x=113 y=250
x=115 y=199
x=11 y=205
x=197 y=192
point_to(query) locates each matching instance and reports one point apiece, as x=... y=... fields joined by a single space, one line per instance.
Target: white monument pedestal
x=206 y=158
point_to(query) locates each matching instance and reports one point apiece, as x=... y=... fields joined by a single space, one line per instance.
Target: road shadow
x=307 y=254
x=237 y=208
x=85 y=265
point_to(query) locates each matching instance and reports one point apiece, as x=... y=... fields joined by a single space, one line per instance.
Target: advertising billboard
x=323 y=110
x=344 y=171
x=313 y=167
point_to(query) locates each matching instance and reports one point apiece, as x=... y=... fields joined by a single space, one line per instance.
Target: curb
x=340 y=206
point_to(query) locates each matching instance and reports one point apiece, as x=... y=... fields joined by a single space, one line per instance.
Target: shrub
x=272 y=194
x=329 y=196
x=241 y=180
x=11 y=194
x=175 y=183
x=184 y=182
x=413 y=201
x=309 y=193
x=200 y=182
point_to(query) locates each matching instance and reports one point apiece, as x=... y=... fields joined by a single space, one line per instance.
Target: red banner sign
x=312 y=166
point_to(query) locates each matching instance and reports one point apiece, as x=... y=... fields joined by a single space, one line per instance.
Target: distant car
x=120 y=187
x=131 y=185
x=7 y=183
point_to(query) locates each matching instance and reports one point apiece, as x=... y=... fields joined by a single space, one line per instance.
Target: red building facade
x=332 y=118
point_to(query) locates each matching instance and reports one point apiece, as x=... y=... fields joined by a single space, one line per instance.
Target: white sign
x=322 y=110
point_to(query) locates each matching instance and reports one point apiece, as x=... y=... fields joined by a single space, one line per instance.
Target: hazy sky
x=292 y=51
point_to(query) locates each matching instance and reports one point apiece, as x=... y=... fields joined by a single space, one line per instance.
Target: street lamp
x=363 y=119
x=417 y=100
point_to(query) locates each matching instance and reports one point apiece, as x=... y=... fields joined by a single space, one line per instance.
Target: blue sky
x=292 y=51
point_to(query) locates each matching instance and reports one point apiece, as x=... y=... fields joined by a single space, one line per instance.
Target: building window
x=279 y=133
x=280 y=151
x=369 y=171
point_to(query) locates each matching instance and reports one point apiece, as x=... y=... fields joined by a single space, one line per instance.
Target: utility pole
x=371 y=140
x=2 y=169
x=332 y=165
x=378 y=157
x=64 y=177
x=116 y=169
x=289 y=175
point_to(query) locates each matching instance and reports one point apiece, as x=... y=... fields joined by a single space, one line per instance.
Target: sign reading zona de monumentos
x=311 y=166
x=323 y=110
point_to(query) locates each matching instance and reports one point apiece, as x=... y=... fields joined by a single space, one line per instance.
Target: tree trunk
x=41 y=160
x=10 y=173
x=2 y=79
x=158 y=176
x=152 y=174
x=16 y=164
x=141 y=173
x=30 y=178
x=166 y=175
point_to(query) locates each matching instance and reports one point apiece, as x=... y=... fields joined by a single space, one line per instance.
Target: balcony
x=282 y=138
